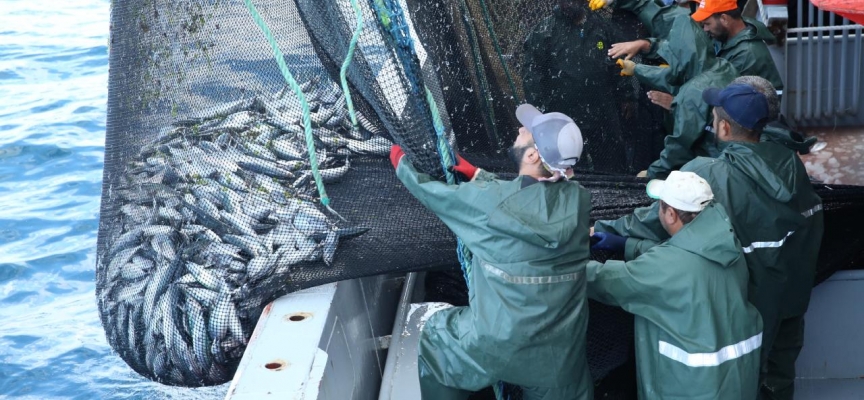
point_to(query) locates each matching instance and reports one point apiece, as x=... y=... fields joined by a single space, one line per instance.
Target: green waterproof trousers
x=778 y=371
x=431 y=388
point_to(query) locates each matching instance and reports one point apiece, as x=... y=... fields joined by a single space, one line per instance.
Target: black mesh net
x=211 y=203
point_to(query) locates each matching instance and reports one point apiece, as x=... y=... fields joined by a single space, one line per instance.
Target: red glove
x=396 y=155
x=464 y=167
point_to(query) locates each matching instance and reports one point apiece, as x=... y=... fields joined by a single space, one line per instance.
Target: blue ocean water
x=53 y=90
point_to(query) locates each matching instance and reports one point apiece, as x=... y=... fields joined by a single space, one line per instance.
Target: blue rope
x=307 y=122
x=448 y=160
x=393 y=20
x=342 y=74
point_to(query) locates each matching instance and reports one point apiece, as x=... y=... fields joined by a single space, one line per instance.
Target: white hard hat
x=556 y=136
x=683 y=191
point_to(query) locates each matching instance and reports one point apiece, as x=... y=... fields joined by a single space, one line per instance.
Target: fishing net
x=245 y=159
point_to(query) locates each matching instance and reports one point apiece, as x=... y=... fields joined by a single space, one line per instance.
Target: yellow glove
x=628 y=68
x=664 y=65
x=595 y=5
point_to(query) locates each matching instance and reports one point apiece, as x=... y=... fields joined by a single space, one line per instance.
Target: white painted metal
x=282 y=360
x=831 y=363
x=330 y=349
x=400 y=379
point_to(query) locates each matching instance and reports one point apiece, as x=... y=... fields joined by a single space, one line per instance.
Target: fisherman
x=690 y=70
x=527 y=317
x=697 y=337
x=566 y=70
x=657 y=17
x=777 y=380
x=777 y=217
x=741 y=41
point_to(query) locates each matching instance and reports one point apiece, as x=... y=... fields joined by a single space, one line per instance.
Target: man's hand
x=642 y=174
x=629 y=49
x=628 y=109
x=595 y=5
x=396 y=155
x=464 y=167
x=628 y=68
x=661 y=99
x=608 y=242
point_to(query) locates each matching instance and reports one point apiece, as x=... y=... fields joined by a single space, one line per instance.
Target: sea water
x=53 y=89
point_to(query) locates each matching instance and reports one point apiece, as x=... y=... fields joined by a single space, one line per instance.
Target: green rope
x=307 y=122
x=494 y=38
x=383 y=15
x=342 y=74
x=443 y=147
x=447 y=160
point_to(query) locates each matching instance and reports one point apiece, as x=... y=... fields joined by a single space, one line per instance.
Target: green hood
x=755 y=30
x=537 y=214
x=780 y=133
x=758 y=30
x=702 y=237
x=771 y=166
x=689 y=54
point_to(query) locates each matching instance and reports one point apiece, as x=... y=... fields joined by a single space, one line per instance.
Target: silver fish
x=131 y=271
x=206 y=297
x=154 y=230
x=259 y=267
x=204 y=276
x=377 y=145
x=241 y=223
x=335 y=174
x=257 y=150
x=164 y=246
x=288 y=149
x=217 y=111
x=122 y=257
x=248 y=243
x=265 y=167
x=197 y=328
x=328 y=247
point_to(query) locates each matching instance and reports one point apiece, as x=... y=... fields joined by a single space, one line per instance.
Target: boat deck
x=841 y=160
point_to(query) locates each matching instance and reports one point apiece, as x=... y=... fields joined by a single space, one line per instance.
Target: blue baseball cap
x=743 y=103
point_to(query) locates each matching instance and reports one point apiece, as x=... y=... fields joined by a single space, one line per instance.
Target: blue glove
x=608 y=242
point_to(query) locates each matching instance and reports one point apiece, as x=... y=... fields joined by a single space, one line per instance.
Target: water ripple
x=54 y=73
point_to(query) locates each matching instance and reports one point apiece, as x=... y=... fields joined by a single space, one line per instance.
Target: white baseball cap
x=556 y=136
x=683 y=191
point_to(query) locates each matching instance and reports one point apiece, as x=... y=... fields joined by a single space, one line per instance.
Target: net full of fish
x=214 y=214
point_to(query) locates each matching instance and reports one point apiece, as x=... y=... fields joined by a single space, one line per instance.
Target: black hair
x=738 y=131
x=518 y=153
x=686 y=217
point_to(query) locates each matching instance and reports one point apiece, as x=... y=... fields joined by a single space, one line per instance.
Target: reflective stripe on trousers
x=767 y=245
x=714 y=359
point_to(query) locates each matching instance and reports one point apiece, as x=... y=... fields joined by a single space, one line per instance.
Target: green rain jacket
x=691 y=70
x=777 y=217
x=779 y=132
x=748 y=52
x=527 y=317
x=697 y=337
x=656 y=18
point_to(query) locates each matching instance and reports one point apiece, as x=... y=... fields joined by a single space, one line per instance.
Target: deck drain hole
x=276 y=365
x=298 y=317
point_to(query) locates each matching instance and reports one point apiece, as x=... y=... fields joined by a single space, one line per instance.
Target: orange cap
x=708 y=8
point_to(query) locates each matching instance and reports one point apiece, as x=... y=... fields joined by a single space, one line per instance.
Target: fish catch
x=213 y=214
